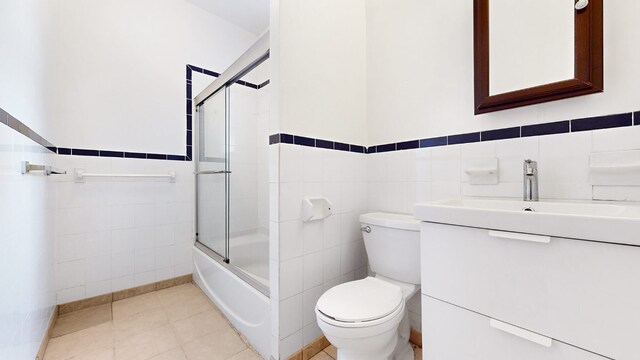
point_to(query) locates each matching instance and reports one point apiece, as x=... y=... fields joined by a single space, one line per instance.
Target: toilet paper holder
x=316 y=208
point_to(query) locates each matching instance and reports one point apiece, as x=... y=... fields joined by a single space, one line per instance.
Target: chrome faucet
x=530 y=180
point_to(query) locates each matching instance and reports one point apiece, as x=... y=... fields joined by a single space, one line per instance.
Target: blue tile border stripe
x=386 y=148
x=341 y=146
x=557 y=127
x=85 y=152
x=463 y=138
x=20 y=127
x=190 y=69
x=156 y=156
x=305 y=141
x=15 y=124
x=324 y=144
x=431 y=142
x=136 y=155
x=282 y=138
x=406 y=145
x=274 y=139
x=286 y=138
x=499 y=134
x=602 y=122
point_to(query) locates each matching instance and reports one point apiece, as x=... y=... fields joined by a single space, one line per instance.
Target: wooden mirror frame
x=588 y=63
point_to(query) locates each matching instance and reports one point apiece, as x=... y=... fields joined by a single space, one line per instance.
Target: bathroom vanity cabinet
x=498 y=295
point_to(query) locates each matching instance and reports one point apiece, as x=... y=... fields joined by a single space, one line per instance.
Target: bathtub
x=250 y=253
x=245 y=307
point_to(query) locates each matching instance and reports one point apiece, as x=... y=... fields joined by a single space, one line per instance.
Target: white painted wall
x=120 y=75
x=420 y=85
x=26 y=202
x=420 y=72
x=318 y=89
x=120 y=70
x=26 y=45
x=97 y=75
x=318 y=68
x=109 y=234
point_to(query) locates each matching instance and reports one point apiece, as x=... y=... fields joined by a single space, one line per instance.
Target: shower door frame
x=198 y=152
x=256 y=55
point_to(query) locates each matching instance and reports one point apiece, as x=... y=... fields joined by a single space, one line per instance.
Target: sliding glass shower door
x=212 y=172
x=232 y=194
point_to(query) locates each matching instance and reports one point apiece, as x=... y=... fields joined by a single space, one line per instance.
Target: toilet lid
x=360 y=300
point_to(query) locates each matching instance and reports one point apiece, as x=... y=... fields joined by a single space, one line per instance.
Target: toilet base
x=405 y=354
x=402 y=349
x=402 y=352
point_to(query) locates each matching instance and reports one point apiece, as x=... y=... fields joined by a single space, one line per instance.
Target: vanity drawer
x=583 y=293
x=452 y=333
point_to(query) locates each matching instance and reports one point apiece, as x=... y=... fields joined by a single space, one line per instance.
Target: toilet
x=367 y=319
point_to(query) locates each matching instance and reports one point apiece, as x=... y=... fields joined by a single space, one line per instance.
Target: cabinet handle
x=520 y=236
x=521 y=333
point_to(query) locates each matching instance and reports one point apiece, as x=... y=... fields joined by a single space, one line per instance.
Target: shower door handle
x=210 y=172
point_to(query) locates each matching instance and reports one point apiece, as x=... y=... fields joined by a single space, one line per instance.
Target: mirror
x=546 y=56
x=533 y=51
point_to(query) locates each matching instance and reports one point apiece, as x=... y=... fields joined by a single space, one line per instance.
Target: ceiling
x=251 y=15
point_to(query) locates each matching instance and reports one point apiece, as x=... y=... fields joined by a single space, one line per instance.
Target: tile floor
x=330 y=353
x=178 y=323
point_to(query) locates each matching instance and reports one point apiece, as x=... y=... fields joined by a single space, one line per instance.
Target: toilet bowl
x=366 y=319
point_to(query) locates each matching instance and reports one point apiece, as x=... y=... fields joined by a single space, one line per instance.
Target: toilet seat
x=360 y=303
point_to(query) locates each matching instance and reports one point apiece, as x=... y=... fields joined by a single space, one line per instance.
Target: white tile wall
x=27 y=206
x=27 y=203
x=563 y=166
x=291 y=277
x=313 y=256
x=310 y=258
x=619 y=139
x=131 y=233
x=290 y=315
x=113 y=234
x=437 y=173
x=313 y=270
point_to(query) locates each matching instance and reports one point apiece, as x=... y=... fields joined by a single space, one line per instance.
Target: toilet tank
x=393 y=245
